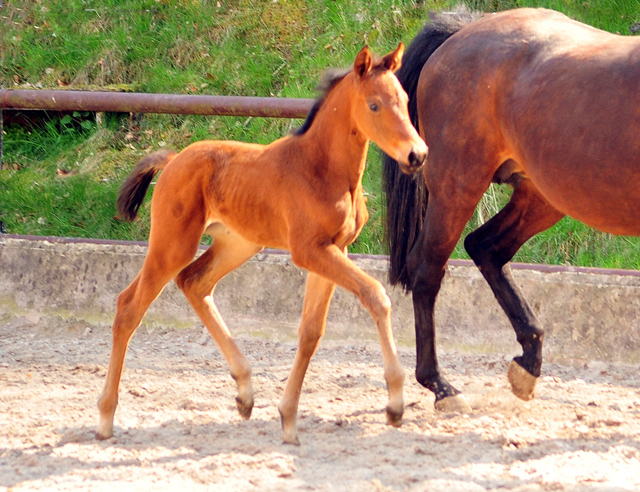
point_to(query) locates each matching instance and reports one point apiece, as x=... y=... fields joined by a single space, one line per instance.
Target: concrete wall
x=588 y=314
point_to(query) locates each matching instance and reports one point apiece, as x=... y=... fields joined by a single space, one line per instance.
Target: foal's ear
x=393 y=60
x=363 y=62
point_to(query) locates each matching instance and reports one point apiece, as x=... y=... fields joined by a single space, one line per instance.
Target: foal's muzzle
x=415 y=161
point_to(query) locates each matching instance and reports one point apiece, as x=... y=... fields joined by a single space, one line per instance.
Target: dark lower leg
x=491 y=247
x=427 y=368
x=529 y=331
x=426 y=268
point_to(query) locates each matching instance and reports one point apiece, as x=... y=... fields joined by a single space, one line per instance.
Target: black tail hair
x=135 y=186
x=407 y=195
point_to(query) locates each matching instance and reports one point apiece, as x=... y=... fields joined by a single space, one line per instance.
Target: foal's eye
x=374 y=107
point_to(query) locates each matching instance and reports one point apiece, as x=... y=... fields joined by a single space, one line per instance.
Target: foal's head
x=380 y=109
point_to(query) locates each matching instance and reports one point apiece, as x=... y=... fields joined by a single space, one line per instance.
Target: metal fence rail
x=125 y=102
x=134 y=102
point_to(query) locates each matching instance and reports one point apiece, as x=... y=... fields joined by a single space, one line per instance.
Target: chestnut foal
x=302 y=193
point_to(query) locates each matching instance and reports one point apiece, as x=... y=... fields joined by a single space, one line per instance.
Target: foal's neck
x=341 y=147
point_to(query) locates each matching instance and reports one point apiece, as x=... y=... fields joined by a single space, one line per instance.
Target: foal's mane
x=329 y=80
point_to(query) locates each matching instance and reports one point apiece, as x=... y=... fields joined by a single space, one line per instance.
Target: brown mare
x=526 y=97
x=302 y=193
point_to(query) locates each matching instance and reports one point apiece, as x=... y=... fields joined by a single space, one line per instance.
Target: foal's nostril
x=416 y=159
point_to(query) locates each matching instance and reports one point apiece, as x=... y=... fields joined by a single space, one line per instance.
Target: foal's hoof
x=105 y=430
x=293 y=440
x=244 y=408
x=523 y=384
x=101 y=437
x=289 y=431
x=394 y=417
x=453 y=404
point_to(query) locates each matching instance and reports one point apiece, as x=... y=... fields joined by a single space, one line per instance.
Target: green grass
x=62 y=178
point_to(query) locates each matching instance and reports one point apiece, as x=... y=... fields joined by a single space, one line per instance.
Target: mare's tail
x=135 y=186
x=407 y=195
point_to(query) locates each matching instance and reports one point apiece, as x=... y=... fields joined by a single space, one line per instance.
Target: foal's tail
x=135 y=186
x=407 y=195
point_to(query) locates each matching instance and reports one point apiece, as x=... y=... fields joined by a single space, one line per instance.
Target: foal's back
x=241 y=185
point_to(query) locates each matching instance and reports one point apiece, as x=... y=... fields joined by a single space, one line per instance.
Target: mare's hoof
x=523 y=384
x=453 y=404
x=394 y=417
x=244 y=408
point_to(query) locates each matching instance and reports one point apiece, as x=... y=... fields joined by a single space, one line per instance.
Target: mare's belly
x=608 y=209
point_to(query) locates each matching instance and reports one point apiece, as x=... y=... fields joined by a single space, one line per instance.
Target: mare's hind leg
x=160 y=266
x=491 y=247
x=198 y=281
x=314 y=316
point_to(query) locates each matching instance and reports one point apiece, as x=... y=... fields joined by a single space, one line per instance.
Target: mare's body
x=526 y=97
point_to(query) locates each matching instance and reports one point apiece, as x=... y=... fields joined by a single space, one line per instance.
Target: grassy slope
x=67 y=175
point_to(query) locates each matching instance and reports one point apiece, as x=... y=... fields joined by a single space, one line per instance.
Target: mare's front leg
x=444 y=222
x=333 y=264
x=314 y=317
x=491 y=247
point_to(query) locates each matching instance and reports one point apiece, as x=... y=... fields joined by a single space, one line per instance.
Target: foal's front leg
x=330 y=262
x=314 y=316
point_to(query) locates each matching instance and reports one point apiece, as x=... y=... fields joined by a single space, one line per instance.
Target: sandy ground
x=177 y=427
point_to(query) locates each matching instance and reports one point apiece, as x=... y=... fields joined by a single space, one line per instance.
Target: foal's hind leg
x=491 y=247
x=160 y=266
x=198 y=281
x=314 y=316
